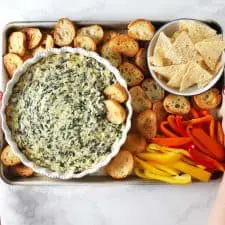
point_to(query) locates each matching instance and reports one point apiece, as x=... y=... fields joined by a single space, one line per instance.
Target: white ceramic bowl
x=44 y=171
x=169 y=30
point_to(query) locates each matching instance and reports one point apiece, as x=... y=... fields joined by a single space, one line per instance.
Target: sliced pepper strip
x=209 y=143
x=220 y=134
x=193 y=171
x=180 y=126
x=167 y=149
x=167 y=157
x=205 y=160
x=194 y=113
x=171 y=142
x=204 y=112
x=182 y=179
x=212 y=129
x=167 y=169
x=203 y=119
x=139 y=173
x=147 y=166
x=166 y=131
x=172 y=123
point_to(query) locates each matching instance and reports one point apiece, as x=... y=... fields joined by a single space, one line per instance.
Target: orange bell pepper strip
x=212 y=129
x=209 y=143
x=172 y=123
x=194 y=114
x=220 y=134
x=166 y=131
x=171 y=141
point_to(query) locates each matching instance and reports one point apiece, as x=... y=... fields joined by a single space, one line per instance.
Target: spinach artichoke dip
x=57 y=116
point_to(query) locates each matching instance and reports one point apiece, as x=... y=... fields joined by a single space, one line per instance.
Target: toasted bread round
x=64 y=32
x=21 y=171
x=12 y=62
x=116 y=92
x=95 y=32
x=116 y=113
x=139 y=99
x=131 y=74
x=121 y=166
x=8 y=157
x=114 y=58
x=125 y=45
x=176 y=104
x=141 y=29
x=152 y=90
x=141 y=60
x=135 y=143
x=147 y=124
x=17 y=43
x=109 y=35
x=161 y=113
x=34 y=37
x=208 y=100
x=46 y=43
x=84 y=42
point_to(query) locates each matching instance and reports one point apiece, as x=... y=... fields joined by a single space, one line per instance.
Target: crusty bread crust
x=141 y=29
x=8 y=157
x=84 y=42
x=33 y=35
x=147 y=124
x=21 y=171
x=17 y=43
x=131 y=73
x=121 y=166
x=141 y=60
x=64 y=32
x=12 y=62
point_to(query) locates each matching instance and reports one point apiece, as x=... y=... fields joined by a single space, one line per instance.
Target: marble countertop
x=105 y=205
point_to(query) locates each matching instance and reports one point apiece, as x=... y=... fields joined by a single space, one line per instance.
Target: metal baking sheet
x=94 y=179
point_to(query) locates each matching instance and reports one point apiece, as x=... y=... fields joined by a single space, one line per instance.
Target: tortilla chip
x=175 y=81
x=210 y=51
x=197 y=31
x=218 y=67
x=170 y=71
x=195 y=75
x=164 y=50
x=184 y=48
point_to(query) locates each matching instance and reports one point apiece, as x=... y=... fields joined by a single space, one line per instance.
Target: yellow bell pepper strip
x=167 y=149
x=139 y=173
x=193 y=171
x=182 y=179
x=169 y=170
x=165 y=130
x=147 y=166
x=168 y=157
x=171 y=141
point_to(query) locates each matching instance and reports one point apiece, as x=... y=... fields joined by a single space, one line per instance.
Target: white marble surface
x=100 y=205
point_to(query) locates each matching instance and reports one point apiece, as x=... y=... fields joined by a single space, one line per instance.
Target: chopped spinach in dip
x=57 y=115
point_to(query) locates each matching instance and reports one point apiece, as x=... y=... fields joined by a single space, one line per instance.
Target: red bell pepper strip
x=212 y=129
x=200 y=158
x=165 y=130
x=171 y=142
x=209 y=143
x=220 y=134
x=180 y=126
x=204 y=112
x=194 y=114
x=196 y=142
x=172 y=123
x=203 y=119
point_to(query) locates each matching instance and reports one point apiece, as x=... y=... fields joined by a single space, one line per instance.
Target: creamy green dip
x=57 y=115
